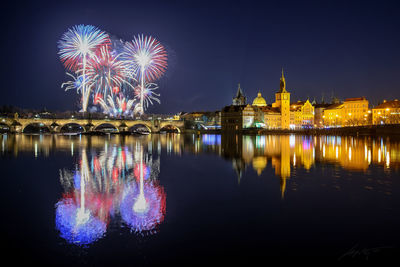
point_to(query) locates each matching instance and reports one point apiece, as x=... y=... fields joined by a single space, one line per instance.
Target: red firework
x=81 y=41
x=105 y=71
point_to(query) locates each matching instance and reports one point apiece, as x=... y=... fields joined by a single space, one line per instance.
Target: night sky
x=349 y=49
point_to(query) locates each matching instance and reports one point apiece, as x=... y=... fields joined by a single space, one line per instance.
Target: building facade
x=352 y=112
x=386 y=113
x=355 y=111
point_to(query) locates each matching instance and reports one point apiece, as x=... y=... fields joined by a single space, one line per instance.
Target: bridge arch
x=106 y=125
x=170 y=126
x=4 y=127
x=70 y=127
x=36 y=127
x=133 y=126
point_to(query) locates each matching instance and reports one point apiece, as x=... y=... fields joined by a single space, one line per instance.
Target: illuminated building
x=202 y=119
x=272 y=118
x=352 y=112
x=279 y=115
x=259 y=101
x=333 y=115
x=248 y=116
x=319 y=113
x=355 y=111
x=282 y=101
x=232 y=116
x=302 y=114
x=386 y=113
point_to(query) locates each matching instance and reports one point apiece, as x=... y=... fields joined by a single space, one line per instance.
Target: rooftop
x=355 y=99
x=389 y=104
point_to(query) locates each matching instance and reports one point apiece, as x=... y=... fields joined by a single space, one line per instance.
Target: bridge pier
x=88 y=127
x=55 y=127
x=15 y=127
x=123 y=127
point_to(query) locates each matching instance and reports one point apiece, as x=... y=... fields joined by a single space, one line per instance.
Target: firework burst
x=101 y=73
x=79 y=42
x=78 y=45
x=145 y=58
x=105 y=72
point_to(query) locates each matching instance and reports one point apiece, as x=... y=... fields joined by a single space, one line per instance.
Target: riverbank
x=370 y=130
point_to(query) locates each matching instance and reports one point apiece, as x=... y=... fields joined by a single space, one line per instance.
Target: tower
x=239 y=99
x=282 y=100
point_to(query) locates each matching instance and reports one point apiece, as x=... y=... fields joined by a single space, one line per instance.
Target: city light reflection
x=117 y=171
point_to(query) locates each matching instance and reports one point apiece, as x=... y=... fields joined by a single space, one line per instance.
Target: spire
x=239 y=99
x=239 y=91
x=282 y=86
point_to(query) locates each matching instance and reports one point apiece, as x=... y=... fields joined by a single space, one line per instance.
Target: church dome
x=259 y=101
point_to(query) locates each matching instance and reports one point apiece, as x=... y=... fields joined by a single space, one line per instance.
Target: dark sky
x=351 y=49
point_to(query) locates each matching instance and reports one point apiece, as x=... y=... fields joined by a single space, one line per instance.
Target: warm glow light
x=379 y=155
x=365 y=152
x=292 y=140
x=294 y=159
x=387 y=159
x=369 y=157
x=350 y=153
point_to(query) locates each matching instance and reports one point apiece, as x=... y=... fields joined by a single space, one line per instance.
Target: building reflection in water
x=119 y=183
x=113 y=170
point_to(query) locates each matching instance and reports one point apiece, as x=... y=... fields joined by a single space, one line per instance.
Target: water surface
x=199 y=199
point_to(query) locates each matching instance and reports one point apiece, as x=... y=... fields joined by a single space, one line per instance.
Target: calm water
x=187 y=199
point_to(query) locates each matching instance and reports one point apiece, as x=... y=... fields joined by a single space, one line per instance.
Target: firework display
x=115 y=183
x=118 y=77
x=77 y=46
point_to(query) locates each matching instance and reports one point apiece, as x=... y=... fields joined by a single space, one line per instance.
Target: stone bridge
x=18 y=125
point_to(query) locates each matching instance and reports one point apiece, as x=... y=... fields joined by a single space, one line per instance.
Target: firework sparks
x=147 y=94
x=105 y=72
x=108 y=77
x=146 y=57
x=77 y=45
x=79 y=42
x=76 y=83
x=119 y=106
